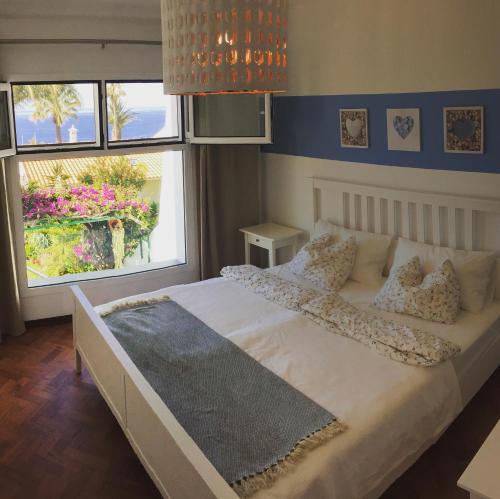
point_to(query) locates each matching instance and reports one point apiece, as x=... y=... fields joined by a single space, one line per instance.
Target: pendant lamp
x=224 y=46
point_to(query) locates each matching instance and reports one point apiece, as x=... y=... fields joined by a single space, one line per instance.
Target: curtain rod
x=75 y=41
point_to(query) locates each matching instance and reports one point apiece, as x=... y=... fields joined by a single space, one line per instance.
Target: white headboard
x=441 y=219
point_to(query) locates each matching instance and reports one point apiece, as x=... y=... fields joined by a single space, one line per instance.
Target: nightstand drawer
x=261 y=242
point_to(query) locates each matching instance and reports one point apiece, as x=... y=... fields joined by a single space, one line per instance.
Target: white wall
x=79 y=62
x=288 y=199
x=359 y=46
x=72 y=19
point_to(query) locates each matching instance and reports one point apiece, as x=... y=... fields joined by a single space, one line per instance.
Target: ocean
x=147 y=124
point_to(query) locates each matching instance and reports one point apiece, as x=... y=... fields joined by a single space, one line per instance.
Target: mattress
x=394 y=411
x=477 y=334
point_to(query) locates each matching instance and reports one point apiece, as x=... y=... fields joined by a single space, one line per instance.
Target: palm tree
x=57 y=101
x=118 y=114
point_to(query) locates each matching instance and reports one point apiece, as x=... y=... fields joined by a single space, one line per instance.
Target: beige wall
x=366 y=46
x=362 y=46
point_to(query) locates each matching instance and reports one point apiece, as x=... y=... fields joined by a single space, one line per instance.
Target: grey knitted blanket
x=249 y=422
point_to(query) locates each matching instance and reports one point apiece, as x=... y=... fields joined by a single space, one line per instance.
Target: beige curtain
x=11 y=321
x=228 y=199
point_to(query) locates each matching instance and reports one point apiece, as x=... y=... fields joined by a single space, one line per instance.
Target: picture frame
x=463 y=129
x=354 y=128
x=403 y=129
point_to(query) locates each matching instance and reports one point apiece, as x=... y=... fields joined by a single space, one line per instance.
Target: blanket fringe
x=250 y=485
x=131 y=304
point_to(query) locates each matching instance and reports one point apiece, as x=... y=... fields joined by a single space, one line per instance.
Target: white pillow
x=371 y=255
x=473 y=268
x=326 y=265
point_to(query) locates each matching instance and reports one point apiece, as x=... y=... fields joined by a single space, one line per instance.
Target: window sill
x=56 y=300
x=102 y=274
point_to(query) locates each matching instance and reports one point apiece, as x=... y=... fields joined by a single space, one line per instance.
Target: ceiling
x=78 y=19
x=118 y=9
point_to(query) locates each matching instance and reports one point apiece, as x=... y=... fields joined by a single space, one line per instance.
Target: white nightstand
x=482 y=477
x=271 y=237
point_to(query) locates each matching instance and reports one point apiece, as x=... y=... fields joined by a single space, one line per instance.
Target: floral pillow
x=435 y=297
x=324 y=262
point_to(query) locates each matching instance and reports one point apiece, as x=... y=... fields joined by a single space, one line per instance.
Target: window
x=230 y=119
x=4 y=122
x=6 y=131
x=139 y=113
x=57 y=115
x=93 y=217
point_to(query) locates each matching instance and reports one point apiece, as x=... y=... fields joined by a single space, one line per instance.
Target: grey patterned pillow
x=435 y=297
x=325 y=263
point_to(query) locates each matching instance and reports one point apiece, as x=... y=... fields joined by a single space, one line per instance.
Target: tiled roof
x=40 y=170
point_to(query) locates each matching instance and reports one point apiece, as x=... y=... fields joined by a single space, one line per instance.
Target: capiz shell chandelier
x=224 y=46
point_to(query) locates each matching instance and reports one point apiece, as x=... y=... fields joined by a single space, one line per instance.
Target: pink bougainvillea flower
x=78 y=251
x=80 y=202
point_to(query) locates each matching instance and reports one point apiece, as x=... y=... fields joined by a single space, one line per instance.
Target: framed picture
x=354 y=128
x=403 y=129
x=463 y=129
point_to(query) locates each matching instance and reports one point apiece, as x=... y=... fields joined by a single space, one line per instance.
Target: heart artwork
x=353 y=127
x=463 y=129
x=403 y=125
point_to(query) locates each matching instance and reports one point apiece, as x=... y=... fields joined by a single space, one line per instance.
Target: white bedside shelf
x=482 y=477
x=271 y=237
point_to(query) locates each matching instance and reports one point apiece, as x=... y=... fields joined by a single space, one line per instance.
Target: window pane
x=4 y=122
x=140 y=111
x=229 y=116
x=99 y=217
x=55 y=114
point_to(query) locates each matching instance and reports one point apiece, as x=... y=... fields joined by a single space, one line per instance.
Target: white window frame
x=56 y=299
x=266 y=139
x=10 y=151
x=79 y=146
x=139 y=142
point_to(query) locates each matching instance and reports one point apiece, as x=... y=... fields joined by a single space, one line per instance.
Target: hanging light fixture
x=224 y=46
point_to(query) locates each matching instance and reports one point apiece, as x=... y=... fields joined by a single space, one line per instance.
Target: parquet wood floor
x=58 y=438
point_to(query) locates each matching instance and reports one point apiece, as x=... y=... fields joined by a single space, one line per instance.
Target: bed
x=394 y=411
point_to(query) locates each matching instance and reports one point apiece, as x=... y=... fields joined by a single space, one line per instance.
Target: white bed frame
x=173 y=460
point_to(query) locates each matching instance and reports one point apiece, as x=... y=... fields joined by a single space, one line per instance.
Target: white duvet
x=394 y=411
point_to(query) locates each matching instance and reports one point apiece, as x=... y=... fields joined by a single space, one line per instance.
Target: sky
x=138 y=95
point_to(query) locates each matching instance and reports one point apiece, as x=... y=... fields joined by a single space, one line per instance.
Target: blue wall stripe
x=309 y=126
